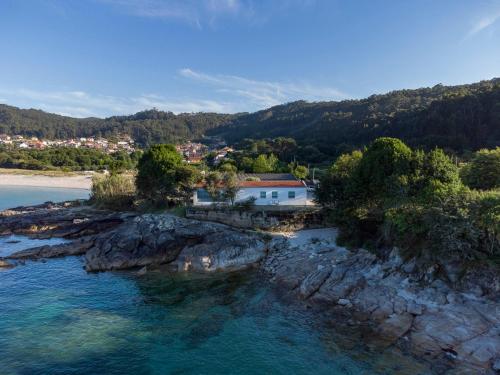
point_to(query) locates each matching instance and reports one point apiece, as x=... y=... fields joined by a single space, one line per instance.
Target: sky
x=115 y=57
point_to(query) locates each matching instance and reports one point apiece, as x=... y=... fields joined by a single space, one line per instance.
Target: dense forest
x=457 y=118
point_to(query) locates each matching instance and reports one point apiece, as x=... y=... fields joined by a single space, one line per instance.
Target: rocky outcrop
x=186 y=245
x=433 y=320
x=67 y=220
x=75 y=247
x=112 y=241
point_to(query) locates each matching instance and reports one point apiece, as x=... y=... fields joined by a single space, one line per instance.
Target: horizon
x=102 y=58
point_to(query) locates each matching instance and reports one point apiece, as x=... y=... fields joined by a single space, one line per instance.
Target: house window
x=203 y=196
x=263 y=194
x=274 y=195
x=291 y=195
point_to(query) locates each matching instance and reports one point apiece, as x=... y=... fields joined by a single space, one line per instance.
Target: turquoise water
x=57 y=319
x=13 y=196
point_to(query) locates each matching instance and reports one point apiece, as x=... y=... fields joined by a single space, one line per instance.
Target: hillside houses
x=124 y=143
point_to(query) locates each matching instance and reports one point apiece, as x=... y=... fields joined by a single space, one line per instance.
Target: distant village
x=192 y=152
x=121 y=143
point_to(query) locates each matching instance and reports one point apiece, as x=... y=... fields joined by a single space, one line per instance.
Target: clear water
x=14 y=196
x=57 y=319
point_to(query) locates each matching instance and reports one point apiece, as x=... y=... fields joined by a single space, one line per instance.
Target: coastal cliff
x=403 y=306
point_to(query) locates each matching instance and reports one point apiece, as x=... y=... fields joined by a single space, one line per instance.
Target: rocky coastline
x=417 y=311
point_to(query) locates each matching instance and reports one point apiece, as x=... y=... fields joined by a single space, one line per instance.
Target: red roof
x=272 y=184
x=277 y=184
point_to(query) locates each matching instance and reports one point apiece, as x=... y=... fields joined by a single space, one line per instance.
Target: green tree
x=265 y=164
x=335 y=185
x=160 y=174
x=483 y=171
x=213 y=181
x=301 y=172
x=384 y=170
x=230 y=186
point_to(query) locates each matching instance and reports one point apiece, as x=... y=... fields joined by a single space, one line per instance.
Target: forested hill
x=146 y=127
x=460 y=118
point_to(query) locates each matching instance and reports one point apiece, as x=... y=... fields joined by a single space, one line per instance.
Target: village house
x=267 y=189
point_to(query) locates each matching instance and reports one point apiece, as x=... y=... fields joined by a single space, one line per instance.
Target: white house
x=267 y=189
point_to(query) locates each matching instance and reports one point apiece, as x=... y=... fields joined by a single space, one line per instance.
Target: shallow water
x=14 y=196
x=57 y=319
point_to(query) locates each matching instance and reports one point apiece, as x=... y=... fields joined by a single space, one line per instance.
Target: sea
x=55 y=318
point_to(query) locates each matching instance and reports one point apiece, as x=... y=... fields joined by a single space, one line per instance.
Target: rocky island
x=453 y=325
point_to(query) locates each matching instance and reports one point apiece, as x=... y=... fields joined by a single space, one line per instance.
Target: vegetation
x=163 y=178
x=393 y=195
x=455 y=118
x=69 y=159
x=483 y=171
x=222 y=187
x=113 y=191
x=146 y=127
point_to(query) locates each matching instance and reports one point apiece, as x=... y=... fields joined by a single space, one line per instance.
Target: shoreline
x=83 y=182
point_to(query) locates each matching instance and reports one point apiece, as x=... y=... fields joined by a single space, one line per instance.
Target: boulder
x=188 y=245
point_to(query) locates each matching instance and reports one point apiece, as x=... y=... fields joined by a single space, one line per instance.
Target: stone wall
x=259 y=219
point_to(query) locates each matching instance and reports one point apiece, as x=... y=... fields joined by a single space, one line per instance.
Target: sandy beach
x=68 y=182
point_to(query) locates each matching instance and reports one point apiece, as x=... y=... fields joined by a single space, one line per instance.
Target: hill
x=457 y=118
x=146 y=127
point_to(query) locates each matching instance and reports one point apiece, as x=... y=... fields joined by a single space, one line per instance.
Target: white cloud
x=201 y=13
x=484 y=23
x=261 y=94
x=223 y=94
x=195 y=12
x=82 y=104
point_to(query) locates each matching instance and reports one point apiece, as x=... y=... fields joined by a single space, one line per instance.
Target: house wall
x=282 y=200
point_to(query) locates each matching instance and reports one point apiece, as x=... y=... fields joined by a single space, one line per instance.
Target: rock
x=76 y=247
x=414 y=308
x=395 y=326
x=187 y=245
x=142 y=271
x=344 y=302
x=5 y=264
x=496 y=364
x=69 y=220
x=313 y=282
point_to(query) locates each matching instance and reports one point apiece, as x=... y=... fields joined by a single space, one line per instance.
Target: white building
x=266 y=189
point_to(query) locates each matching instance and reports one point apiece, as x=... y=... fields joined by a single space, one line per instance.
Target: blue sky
x=105 y=57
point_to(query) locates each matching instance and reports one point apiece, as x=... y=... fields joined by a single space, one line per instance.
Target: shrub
x=483 y=171
x=115 y=191
x=162 y=177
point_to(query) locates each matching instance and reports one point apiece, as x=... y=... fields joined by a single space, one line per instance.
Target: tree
x=300 y=172
x=187 y=177
x=483 y=171
x=438 y=176
x=265 y=164
x=384 y=170
x=230 y=186
x=213 y=182
x=335 y=184
x=161 y=174
x=227 y=167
